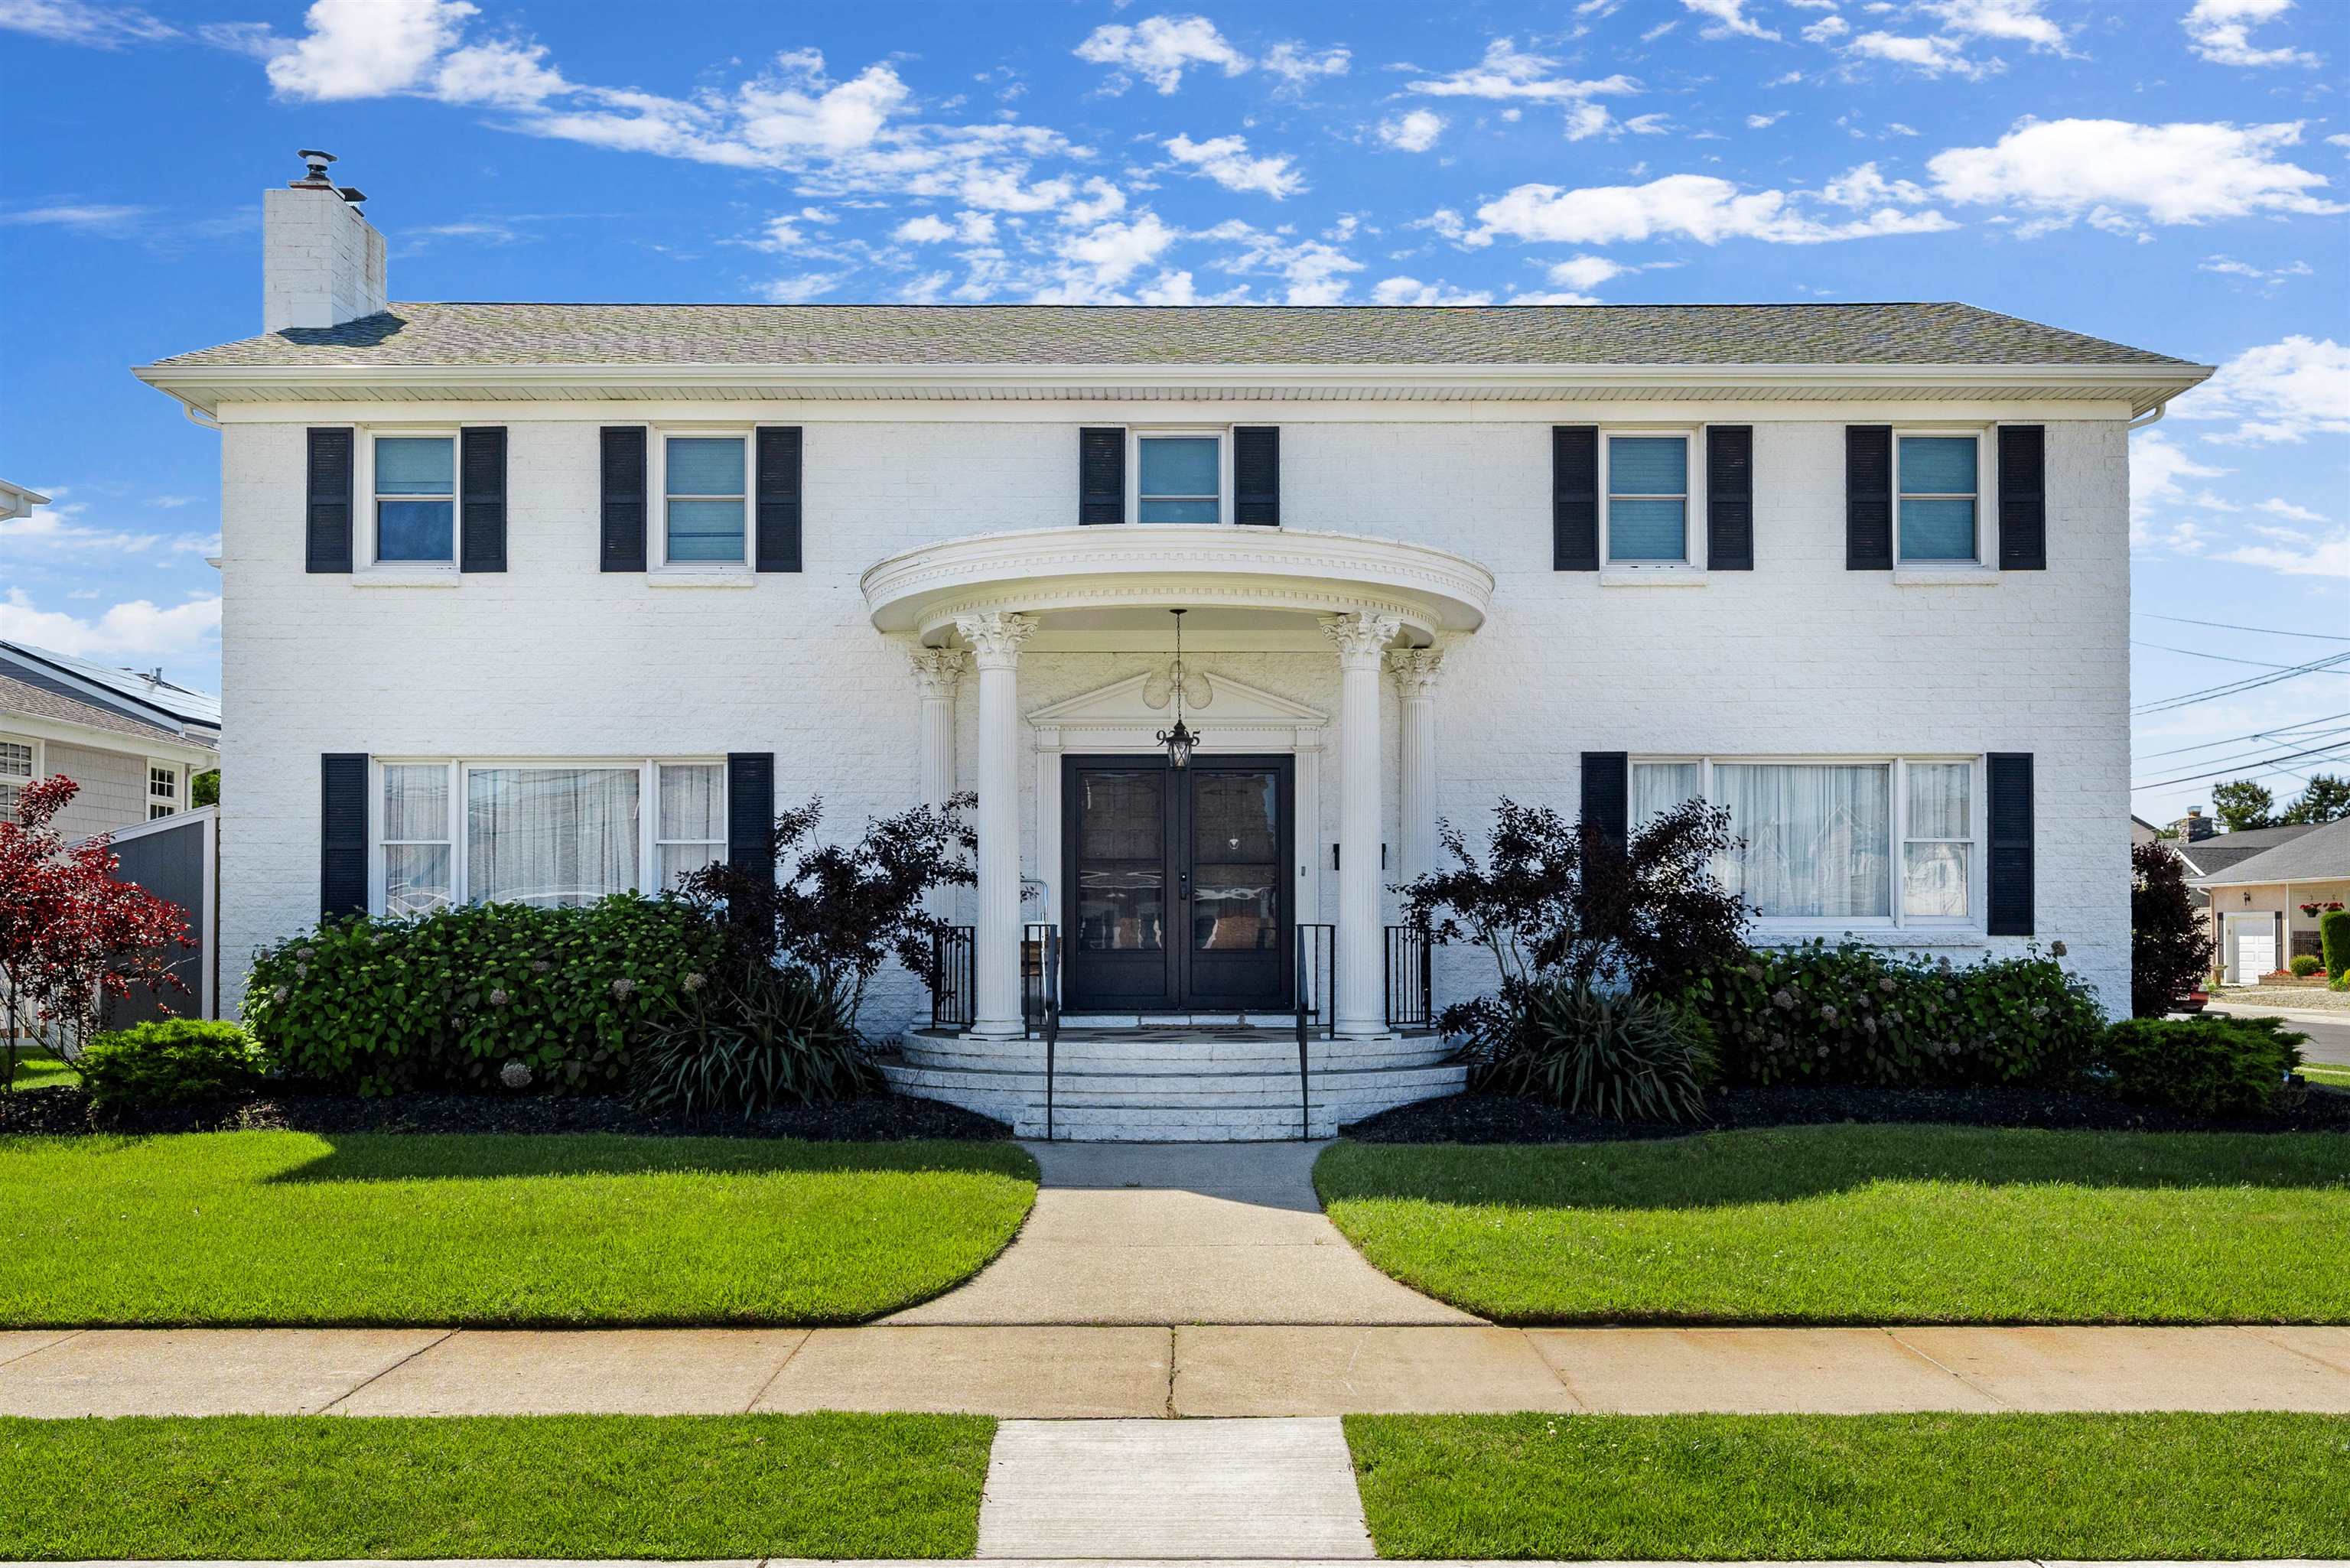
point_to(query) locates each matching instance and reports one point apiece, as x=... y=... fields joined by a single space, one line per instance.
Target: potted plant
x=2312 y=909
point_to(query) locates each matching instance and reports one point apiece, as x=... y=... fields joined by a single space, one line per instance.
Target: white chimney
x=321 y=260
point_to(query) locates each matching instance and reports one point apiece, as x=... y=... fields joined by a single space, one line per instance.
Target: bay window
x=551 y=834
x=1835 y=844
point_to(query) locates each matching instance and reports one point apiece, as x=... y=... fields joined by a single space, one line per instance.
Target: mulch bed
x=1503 y=1118
x=872 y=1118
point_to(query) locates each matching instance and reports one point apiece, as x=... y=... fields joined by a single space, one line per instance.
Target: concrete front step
x=1204 y=1052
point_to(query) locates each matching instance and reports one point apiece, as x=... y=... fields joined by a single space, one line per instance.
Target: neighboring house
x=539 y=601
x=131 y=742
x=2216 y=852
x=2143 y=832
x=2194 y=827
x=2257 y=922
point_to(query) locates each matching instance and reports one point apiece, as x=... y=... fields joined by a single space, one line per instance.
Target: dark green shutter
x=327 y=529
x=1729 y=498
x=778 y=541
x=623 y=462
x=1607 y=794
x=1868 y=498
x=1101 y=474
x=2022 y=498
x=1256 y=474
x=1574 y=498
x=2008 y=815
x=482 y=481
x=342 y=834
x=751 y=811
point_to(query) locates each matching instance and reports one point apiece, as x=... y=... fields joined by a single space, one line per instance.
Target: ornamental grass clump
x=765 y=1037
x=1625 y=1057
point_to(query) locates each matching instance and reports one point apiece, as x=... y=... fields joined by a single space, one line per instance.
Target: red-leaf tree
x=72 y=934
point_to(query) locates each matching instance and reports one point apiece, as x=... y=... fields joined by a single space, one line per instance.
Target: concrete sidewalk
x=1030 y=1371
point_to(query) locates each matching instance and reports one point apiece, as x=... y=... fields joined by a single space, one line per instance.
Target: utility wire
x=2222 y=657
x=2286 y=757
x=2227 y=626
x=2212 y=693
x=2322 y=738
x=2283 y=731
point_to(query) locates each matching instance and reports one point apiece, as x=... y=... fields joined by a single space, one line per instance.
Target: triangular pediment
x=1232 y=701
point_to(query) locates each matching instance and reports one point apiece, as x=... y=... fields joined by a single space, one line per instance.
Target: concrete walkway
x=1162 y=1234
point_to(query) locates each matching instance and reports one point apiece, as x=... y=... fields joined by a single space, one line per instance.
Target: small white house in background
x=131 y=741
x=2268 y=895
x=540 y=601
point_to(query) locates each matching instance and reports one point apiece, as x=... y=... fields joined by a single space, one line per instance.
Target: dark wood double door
x=1178 y=884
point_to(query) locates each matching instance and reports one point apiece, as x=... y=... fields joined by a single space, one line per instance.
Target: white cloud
x=1313 y=271
x=79 y=22
x=1158 y=49
x=1411 y=291
x=1864 y=187
x=1585 y=272
x=2177 y=173
x=366 y=49
x=1504 y=72
x=1696 y=206
x=2231 y=268
x=2156 y=470
x=1932 y=55
x=1764 y=121
x=1105 y=255
x=1225 y=159
x=2284 y=391
x=506 y=74
x=1100 y=200
x=2316 y=558
x=2220 y=31
x=928 y=229
x=1826 y=30
x=1414 y=133
x=1729 y=16
x=91 y=216
x=134 y=630
x=2279 y=507
x=2017 y=20
x=1295 y=67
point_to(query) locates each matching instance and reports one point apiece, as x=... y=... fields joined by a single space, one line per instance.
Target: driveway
x=2328 y=1032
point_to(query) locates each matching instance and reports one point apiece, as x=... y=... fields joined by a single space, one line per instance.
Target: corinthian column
x=1360 y=640
x=1416 y=672
x=936 y=670
x=995 y=639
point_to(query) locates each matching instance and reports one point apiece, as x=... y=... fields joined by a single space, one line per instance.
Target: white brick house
x=612 y=576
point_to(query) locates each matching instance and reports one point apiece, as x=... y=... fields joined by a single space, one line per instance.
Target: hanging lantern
x=1181 y=740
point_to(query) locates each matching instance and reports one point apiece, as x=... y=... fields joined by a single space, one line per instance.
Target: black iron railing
x=951 y=979
x=1040 y=998
x=1314 y=987
x=1410 y=975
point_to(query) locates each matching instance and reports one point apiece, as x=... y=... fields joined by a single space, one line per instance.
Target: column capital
x=995 y=637
x=1360 y=638
x=936 y=669
x=1417 y=669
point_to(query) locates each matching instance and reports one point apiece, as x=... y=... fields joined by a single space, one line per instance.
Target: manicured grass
x=288 y=1227
x=531 y=1486
x=2325 y=1072
x=1899 y=1487
x=1862 y=1224
x=43 y=1071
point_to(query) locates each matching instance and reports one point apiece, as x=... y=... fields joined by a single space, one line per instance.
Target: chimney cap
x=314 y=177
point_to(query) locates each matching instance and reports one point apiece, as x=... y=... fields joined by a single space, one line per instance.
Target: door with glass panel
x=1176 y=884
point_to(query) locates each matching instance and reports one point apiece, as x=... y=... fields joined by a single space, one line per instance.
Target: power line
x=2286 y=757
x=2212 y=693
x=2222 y=657
x=2227 y=626
x=2282 y=730
x=2322 y=739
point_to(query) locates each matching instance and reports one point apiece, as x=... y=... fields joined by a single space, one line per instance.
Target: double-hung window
x=163 y=790
x=550 y=834
x=1938 y=487
x=1648 y=480
x=1179 y=477
x=1854 y=844
x=415 y=486
x=705 y=487
x=17 y=765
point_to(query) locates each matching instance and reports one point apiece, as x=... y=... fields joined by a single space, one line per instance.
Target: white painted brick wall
x=1799 y=656
x=322 y=263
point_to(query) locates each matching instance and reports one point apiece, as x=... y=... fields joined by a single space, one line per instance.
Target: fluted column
x=995 y=639
x=936 y=670
x=1416 y=673
x=1360 y=639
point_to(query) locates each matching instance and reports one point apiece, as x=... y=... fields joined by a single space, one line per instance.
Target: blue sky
x=2171 y=173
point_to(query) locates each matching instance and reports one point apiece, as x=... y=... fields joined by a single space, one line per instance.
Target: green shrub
x=767 y=1036
x=171 y=1062
x=1629 y=1058
x=447 y=1000
x=1859 y=1014
x=2207 y=1065
x=2333 y=941
x=2305 y=965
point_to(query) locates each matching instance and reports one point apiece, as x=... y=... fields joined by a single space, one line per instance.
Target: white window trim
x=371 y=563
x=657 y=439
x=22 y=782
x=1967 y=928
x=174 y=803
x=647 y=810
x=1690 y=569
x=1984 y=567
x=1137 y=434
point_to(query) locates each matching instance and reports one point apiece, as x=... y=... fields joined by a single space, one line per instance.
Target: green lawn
x=2325 y=1072
x=532 y=1486
x=1862 y=1224
x=43 y=1071
x=287 y=1228
x=1899 y=1487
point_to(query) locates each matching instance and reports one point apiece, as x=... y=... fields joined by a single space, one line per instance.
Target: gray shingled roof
x=810 y=335
x=2321 y=854
x=39 y=702
x=2211 y=855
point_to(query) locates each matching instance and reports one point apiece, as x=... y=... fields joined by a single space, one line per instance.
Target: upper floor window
x=415 y=499
x=15 y=774
x=1179 y=478
x=163 y=790
x=1647 y=499
x=1937 y=486
x=703 y=491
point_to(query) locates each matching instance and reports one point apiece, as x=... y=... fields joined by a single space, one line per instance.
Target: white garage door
x=2251 y=948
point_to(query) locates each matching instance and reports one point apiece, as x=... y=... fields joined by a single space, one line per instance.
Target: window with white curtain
x=1862 y=842
x=1647 y=499
x=550 y=834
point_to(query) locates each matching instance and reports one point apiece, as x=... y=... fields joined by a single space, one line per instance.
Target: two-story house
x=540 y=601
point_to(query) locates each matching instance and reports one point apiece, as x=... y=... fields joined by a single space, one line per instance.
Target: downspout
x=2150 y=417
